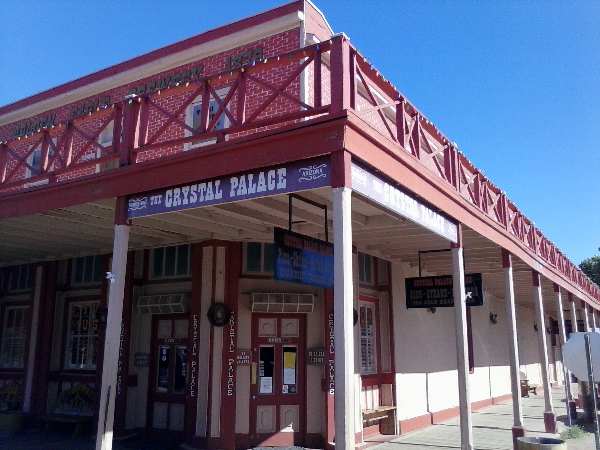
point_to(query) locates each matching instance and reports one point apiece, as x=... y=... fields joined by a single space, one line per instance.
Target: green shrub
x=574 y=432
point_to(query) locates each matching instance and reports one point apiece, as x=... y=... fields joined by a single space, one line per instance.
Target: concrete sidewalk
x=491 y=428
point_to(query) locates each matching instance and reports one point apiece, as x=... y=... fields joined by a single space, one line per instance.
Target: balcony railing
x=324 y=79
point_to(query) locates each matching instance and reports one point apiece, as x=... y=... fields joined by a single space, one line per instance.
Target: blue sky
x=515 y=83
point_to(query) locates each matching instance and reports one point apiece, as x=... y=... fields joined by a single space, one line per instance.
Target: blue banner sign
x=292 y=177
x=302 y=259
x=436 y=291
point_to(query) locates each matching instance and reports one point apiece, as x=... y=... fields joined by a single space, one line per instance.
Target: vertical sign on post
x=329 y=366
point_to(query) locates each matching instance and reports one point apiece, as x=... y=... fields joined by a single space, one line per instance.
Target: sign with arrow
x=436 y=291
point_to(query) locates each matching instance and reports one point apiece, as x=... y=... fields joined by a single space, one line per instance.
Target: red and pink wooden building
x=140 y=271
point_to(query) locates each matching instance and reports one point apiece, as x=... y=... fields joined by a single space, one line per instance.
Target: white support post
x=343 y=320
x=594 y=325
x=586 y=317
x=549 y=416
x=563 y=340
x=513 y=347
x=574 y=327
x=33 y=338
x=460 y=309
x=116 y=289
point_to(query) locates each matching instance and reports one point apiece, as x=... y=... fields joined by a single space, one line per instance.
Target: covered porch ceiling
x=88 y=229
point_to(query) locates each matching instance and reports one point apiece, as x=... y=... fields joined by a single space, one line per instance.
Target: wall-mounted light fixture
x=432 y=310
x=535 y=327
x=494 y=318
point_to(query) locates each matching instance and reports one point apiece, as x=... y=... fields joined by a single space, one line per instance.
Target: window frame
x=98 y=259
x=26 y=319
x=371 y=303
x=370 y=258
x=262 y=271
x=69 y=304
x=152 y=276
x=17 y=270
x=39 y=149
x=189 y=118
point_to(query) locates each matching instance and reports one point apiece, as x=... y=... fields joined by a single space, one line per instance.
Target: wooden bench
x=526 y=388
x=385 y=415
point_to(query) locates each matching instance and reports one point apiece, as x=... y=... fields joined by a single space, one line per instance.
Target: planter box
x=11 y=421
x=540 y=443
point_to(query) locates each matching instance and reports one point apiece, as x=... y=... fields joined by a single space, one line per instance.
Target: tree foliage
x=591 y=267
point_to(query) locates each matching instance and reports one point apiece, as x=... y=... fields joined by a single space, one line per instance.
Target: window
x=87 y=270
x=383 y=272
x=194 y=116
x=258 y=258
x=82 y=334
x=368 y=342
x=171 y=262
x=14 y=337
x=365 y=268
x=20 y=278
x=105 y=138
x=35 y=160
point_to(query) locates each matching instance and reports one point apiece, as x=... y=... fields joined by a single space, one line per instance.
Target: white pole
x=116 y=291
x=513 y=347
x=460 y=309
x=343 y=320
x=586 y=318
x=33 y=337
x=574 y=326
x=563 y=340
x=549 y=416
x=594 y=325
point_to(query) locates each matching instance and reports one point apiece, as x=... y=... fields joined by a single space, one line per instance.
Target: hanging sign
x=292 y=177
x=436 y=292
x=402 y=203
x=302 y=259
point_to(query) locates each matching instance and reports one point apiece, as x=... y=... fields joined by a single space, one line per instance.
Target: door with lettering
x=169 y=373
x=277 y=415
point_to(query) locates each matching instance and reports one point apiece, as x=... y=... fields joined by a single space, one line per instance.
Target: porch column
x=462 y=365
x=563 y=340
x=549 y=416
x=594 y=326
x=574 y=327
x=33 y=338
x=513 y=347
x=343 y=320
x=116 y=291
x=586 y=317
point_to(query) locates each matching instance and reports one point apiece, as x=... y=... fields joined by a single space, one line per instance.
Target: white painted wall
x=425 y=352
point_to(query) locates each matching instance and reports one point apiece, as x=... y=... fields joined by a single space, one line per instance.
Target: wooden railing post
x=3 y=160
x=340 y=74
x=318 y=100
x=131 y=108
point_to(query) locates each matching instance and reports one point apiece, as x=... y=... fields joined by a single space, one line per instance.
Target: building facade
x=250 y=237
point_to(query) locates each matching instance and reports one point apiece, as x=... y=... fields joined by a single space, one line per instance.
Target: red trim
x=44 y=344
x=535 y=279
x=414 y=423
x=217 y=33
x=341 y=169
x=506 y=259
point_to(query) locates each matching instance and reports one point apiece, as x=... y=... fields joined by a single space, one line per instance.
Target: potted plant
x=11 y=417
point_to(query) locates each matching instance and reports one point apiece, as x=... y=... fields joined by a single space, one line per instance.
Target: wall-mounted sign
x=141 y=359
x=401 y=203
x=436 y=292
x=89 y=106
x=245 y=58
x=302 y=259
x=316 y=356
x=168 y=81
x=244 y=356
x=293 y=177
x=30 y=126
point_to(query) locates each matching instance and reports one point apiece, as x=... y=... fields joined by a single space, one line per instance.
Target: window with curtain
x=82 y=334
x=368 y=333
x=14 y=337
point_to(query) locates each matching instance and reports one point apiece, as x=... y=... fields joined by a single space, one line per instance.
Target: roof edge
x=215 y=33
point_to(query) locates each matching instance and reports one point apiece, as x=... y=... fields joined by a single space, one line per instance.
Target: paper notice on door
x=289 y=368
x=266 y=385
